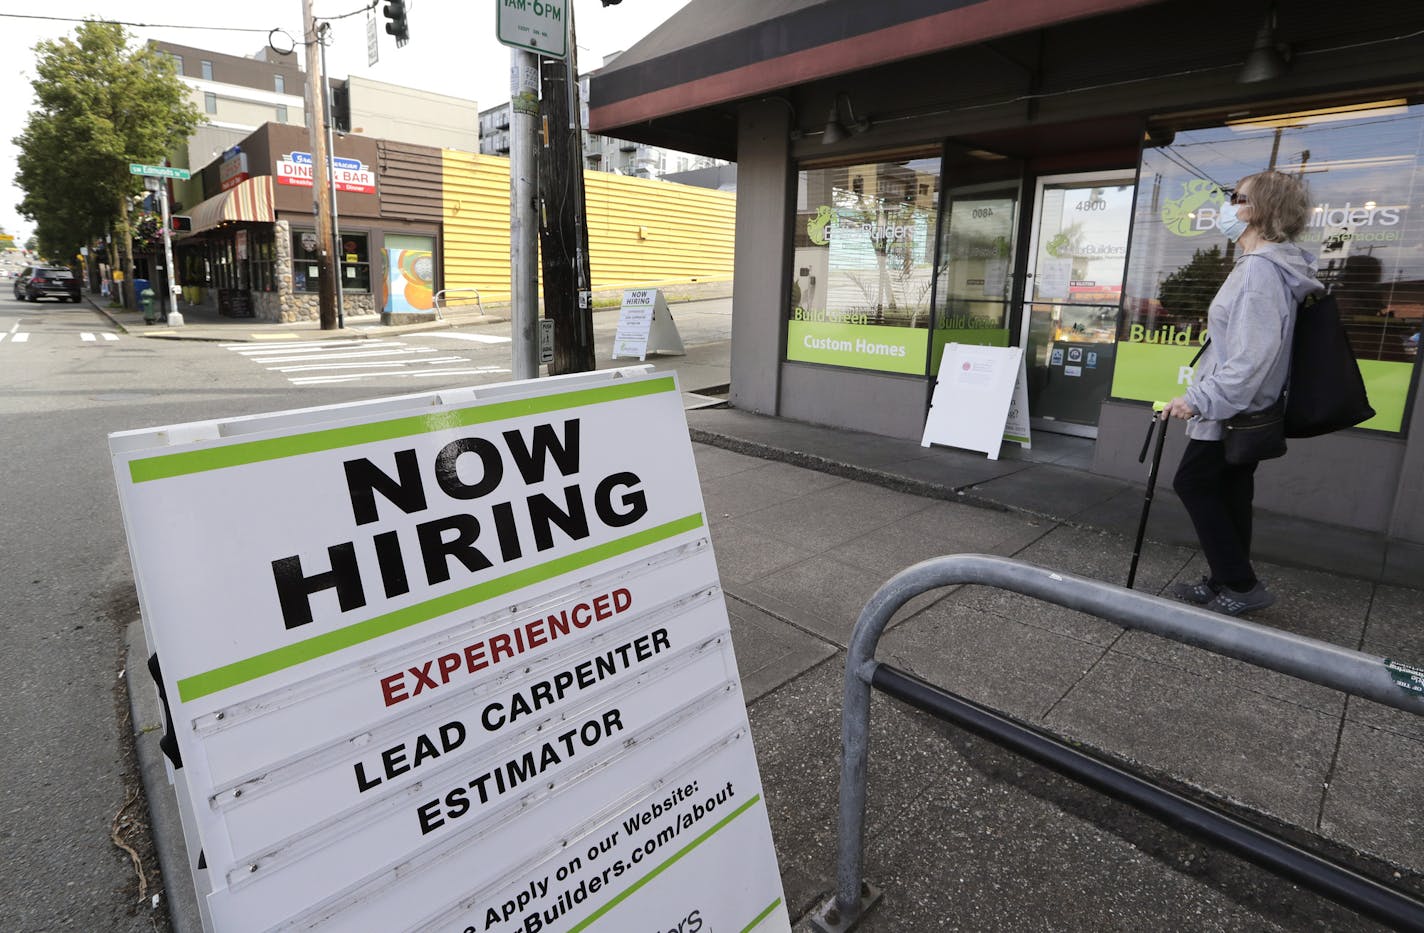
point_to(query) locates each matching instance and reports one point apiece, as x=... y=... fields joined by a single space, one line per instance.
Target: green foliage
x=1189 y=290
x=99 y=106
x=148 y=231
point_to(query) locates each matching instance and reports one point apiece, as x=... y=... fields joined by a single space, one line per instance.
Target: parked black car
x=36 y=282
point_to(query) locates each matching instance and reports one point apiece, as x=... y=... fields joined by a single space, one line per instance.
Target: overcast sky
x=452 y=49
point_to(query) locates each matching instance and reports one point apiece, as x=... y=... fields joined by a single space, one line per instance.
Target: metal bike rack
x=1319 y=662
x=440 y=300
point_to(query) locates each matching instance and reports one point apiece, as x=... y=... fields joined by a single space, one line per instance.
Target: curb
x=498 y=315
x=104 y=312
x=146 y=719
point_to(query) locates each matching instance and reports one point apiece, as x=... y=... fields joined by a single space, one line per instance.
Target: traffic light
x=180 y=223
x=398 y=27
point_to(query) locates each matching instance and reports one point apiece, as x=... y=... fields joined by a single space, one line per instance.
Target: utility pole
x=331 y=151
x=328 y=279
x=563 y=233
x=523 y=229
x=175 y=319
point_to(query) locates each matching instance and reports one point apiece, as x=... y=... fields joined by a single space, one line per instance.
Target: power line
x=119 y=22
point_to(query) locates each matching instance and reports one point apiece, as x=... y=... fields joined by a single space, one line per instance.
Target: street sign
x=537 y=25
x=159 y=171
x=546 y=340
x=465 y=663
x=152 y=183
x=373 y=47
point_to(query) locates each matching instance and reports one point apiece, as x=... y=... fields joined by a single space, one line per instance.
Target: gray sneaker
x=1198 y=594
x=1230 y=602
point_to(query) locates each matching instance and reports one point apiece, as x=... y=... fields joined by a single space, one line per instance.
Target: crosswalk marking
x=472 y=338
x=86 y=336
x=355 y=355
x=400 y=373
x=428 y=361
x=329 y=362
x=247 y=349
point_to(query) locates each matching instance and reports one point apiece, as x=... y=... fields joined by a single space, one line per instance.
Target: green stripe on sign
x=165 y=466
x=762 y=916
x=278 y=659
x=635 y=886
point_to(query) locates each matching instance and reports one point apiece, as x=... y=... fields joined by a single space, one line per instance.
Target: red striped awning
x=250 y=201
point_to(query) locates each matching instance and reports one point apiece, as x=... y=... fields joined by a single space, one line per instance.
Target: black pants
x=1218 y=499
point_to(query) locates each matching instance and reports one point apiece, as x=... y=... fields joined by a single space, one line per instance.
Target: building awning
x=713 y=52
x=250 y=201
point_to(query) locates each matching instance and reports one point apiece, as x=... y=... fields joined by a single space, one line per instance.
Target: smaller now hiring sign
x=452 y=662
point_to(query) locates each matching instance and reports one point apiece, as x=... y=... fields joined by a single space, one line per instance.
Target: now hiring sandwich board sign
x=452 y=662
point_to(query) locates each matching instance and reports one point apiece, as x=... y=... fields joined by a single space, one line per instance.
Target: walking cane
x=1159 y=421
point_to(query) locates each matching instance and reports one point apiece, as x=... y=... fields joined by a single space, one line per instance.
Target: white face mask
x=1228 y=223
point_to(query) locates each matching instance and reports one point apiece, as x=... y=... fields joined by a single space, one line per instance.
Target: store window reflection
x=976 y=259
x=1361 y=166
x=863 y=269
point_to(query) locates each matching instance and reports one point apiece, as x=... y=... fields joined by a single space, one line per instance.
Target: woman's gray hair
x=1280 y=205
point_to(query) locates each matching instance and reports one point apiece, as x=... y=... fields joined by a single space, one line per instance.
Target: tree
x=100 y=106
x=1188 y=291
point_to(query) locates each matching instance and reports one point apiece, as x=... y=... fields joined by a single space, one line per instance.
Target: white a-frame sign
x=645 y=326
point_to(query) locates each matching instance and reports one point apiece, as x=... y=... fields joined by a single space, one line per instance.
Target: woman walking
x=1243 y=369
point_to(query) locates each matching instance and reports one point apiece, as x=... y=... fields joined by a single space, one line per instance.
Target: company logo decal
x=1178 y=214
x=818 y=227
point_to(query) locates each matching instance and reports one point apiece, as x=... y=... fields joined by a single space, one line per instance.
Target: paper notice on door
x=1052 y=278
x=996 y=276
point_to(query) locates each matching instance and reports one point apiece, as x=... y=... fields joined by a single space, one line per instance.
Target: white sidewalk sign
x=453 y=661
x=1016 y=427
x=972 y=397
x=645 y=325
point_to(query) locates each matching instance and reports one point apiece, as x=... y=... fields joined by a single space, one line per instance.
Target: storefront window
x=1362 y=168
x=262 y=260
x=355 y=263
x=863 y=271
x=306 y=263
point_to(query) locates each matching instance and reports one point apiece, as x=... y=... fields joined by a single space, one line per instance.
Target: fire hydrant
x=150 y=306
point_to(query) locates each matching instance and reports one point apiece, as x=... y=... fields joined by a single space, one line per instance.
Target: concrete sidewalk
x=808 y=522
x=963 y=836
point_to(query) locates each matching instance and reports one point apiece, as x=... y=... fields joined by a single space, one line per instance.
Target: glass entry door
x=976 y=259
x=1076 y=264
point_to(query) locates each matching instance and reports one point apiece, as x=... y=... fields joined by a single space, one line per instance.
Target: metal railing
x=440 y=301
x=1375 y=678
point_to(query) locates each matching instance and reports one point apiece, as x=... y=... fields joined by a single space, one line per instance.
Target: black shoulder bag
x=1252 y=436
x=1324 y=391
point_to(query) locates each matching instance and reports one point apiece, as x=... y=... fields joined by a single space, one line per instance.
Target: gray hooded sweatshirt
x=1251 y=322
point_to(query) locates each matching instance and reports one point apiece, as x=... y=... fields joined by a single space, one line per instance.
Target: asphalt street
x=68 y=378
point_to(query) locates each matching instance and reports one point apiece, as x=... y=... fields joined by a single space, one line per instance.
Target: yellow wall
x=640 y=232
